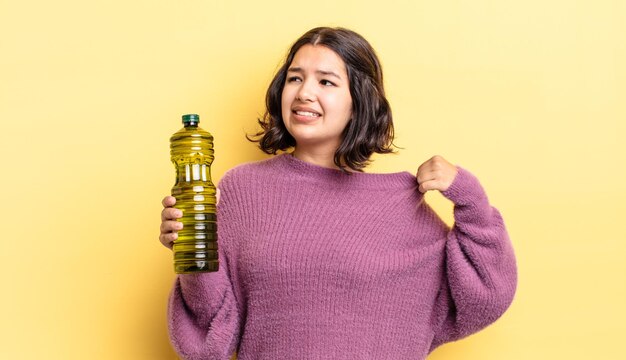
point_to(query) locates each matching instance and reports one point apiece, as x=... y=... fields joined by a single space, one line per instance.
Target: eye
x=293 y=78
x=327 y=83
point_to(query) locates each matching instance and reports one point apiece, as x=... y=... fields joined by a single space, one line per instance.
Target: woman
x=320 y=260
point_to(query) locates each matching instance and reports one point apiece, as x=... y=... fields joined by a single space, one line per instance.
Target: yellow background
x=528 y=95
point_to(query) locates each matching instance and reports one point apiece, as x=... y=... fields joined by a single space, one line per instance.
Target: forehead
x=318 y=57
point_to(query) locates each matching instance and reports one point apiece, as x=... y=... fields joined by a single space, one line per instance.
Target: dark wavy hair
x=371 y=128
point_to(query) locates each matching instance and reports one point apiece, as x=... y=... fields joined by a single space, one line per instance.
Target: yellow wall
x=528 y=95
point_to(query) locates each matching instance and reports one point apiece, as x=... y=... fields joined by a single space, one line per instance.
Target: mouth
x=306 y=113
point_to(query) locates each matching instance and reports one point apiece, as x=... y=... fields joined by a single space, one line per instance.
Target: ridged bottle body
x=195 y=249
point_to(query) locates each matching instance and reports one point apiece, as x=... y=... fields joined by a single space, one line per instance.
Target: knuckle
x=165 y=214
x=168 y=201
x=167 y=227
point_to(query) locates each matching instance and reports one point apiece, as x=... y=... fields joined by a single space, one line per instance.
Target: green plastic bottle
x=195 y=250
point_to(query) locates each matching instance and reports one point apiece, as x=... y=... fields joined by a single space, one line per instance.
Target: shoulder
x=246 y=174
x=241 y=187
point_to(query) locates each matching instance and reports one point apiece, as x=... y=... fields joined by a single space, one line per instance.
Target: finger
x=429 y=185
x=169 y=226
x=422 y=167
x=217 y=196
x=439 y=162
x=168 y=201
x=168 y=239
x=171 y=214
x=422 y=189
x=425 y=167
x=434 y=163
x=436 y=159
x=425 y=176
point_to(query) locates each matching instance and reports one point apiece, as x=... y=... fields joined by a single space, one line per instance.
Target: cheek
x=348 y=107
x=341 y=105
x=284 y=103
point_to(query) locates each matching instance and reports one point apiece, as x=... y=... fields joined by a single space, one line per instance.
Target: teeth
x=306 y=113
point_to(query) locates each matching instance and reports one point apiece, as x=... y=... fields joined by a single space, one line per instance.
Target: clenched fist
x=436 y=174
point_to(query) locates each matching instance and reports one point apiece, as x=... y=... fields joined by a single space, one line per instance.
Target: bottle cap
x=190 y=119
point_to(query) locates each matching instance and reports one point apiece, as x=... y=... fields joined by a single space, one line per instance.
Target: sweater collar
x=316 y=173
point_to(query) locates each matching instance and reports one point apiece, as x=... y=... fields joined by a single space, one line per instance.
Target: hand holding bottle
x=169 y=225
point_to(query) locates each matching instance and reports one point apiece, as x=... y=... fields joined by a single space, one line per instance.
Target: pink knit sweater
x=317 y=264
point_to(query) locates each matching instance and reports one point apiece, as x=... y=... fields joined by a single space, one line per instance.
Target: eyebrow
x=323 y=72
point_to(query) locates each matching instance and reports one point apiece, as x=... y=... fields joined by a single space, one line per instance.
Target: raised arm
x=480 y=273
x=203 y=314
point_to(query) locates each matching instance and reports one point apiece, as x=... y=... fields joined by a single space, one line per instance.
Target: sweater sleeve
x=203 y=316
x=480 y=268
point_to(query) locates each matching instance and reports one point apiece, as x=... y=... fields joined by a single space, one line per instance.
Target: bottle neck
x=191 y=124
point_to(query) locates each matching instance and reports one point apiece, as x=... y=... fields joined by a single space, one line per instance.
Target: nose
x=305 y=92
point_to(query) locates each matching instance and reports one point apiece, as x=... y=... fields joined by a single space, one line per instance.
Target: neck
x=319 y=157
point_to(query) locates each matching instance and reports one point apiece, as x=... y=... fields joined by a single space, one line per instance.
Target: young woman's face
x=316 y=102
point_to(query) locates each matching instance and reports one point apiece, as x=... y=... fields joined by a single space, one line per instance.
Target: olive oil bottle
x=191 y=150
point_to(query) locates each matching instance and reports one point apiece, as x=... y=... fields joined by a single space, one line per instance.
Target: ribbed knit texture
x=318 y=264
